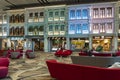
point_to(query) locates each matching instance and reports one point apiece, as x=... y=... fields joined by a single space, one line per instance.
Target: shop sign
x=41 y=19
x=85 y=31
x=56 y=33
x=40 y=33
x=71 y=32
x=56 y=19
x=95 y=31
x=50 y=19
x=62 y=32
x=62 y=18
x=109 y=31
x=30 y=33
x=50 y=33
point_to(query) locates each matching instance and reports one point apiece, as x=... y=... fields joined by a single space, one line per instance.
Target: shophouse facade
x=64 y=26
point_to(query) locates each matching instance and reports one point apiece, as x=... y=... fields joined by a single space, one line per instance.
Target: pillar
x=46 y=44
x=90 y=42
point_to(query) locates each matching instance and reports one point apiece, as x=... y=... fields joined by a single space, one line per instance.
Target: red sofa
x=63 y=53
x=4 y=63
x=63 y=71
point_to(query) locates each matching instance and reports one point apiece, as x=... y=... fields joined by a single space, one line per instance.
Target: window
x=78 y=28
x=85 y=14
x=56 y=27
x=51 y=28
x=41 y=28
x=62 y=28
x=72 y=14
x=62 y=13
x=36 y=17
x=95 y=28
x=95 y=13
x=56 y=17
x=85 y=28
x=30 y=19
x=56 y=13
x=102 y=27
x=41 y=17
x=41 y=14
x=72 y=29
x=109 y=28
x=50 y=14
x=102 y=10
x=30 y=14
x=50 y=17
x=78 y=14
x=109 y=12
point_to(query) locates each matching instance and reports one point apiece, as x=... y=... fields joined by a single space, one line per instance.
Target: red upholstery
x=63 y=53
x=66 y=53
x=27 y=51
x=58 y=53
x=102 y=54
x=62 y=71
x=83 y=54
x=4 y=63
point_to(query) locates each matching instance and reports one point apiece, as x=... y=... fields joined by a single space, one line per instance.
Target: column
x=115 y=43
x=90 y=42
x=45 y=44
x=68 y=42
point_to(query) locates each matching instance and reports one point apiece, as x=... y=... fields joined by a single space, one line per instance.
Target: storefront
x=102 y=41
x=79 y=44
x=38 y=44
x=12 y=43
x=56 y=43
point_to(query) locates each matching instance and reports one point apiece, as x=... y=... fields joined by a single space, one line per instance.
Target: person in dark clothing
x=90 y=52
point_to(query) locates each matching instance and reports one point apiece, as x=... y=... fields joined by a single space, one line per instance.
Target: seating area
x=63 y=53
x=104 y=54
x=4 y=63
x=63 y=71
x=95 y=61
x=17 y=54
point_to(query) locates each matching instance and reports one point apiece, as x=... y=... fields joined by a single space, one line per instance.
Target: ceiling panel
x=3 y=4
x=19 y=2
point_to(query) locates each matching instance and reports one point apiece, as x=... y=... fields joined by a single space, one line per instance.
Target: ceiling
x=20 y=4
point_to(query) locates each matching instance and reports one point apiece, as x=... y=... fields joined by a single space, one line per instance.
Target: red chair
x=30 y=55
x=4 y=63
x=58 y=53
x=102 y=54
x=66 y=53
x=83 y=54
x=15 y=55
x=63 y=71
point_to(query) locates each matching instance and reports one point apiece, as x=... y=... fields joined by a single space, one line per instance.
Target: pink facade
x=102 y=18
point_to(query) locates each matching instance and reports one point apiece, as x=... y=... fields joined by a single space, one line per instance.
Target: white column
x=68 y=42
x=90 y=42
x=115 y=43
x=45 y=44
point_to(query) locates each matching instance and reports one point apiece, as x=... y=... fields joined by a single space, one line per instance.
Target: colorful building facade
x=72 y=27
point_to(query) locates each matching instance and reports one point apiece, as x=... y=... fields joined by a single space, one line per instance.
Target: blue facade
x=78 y=20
